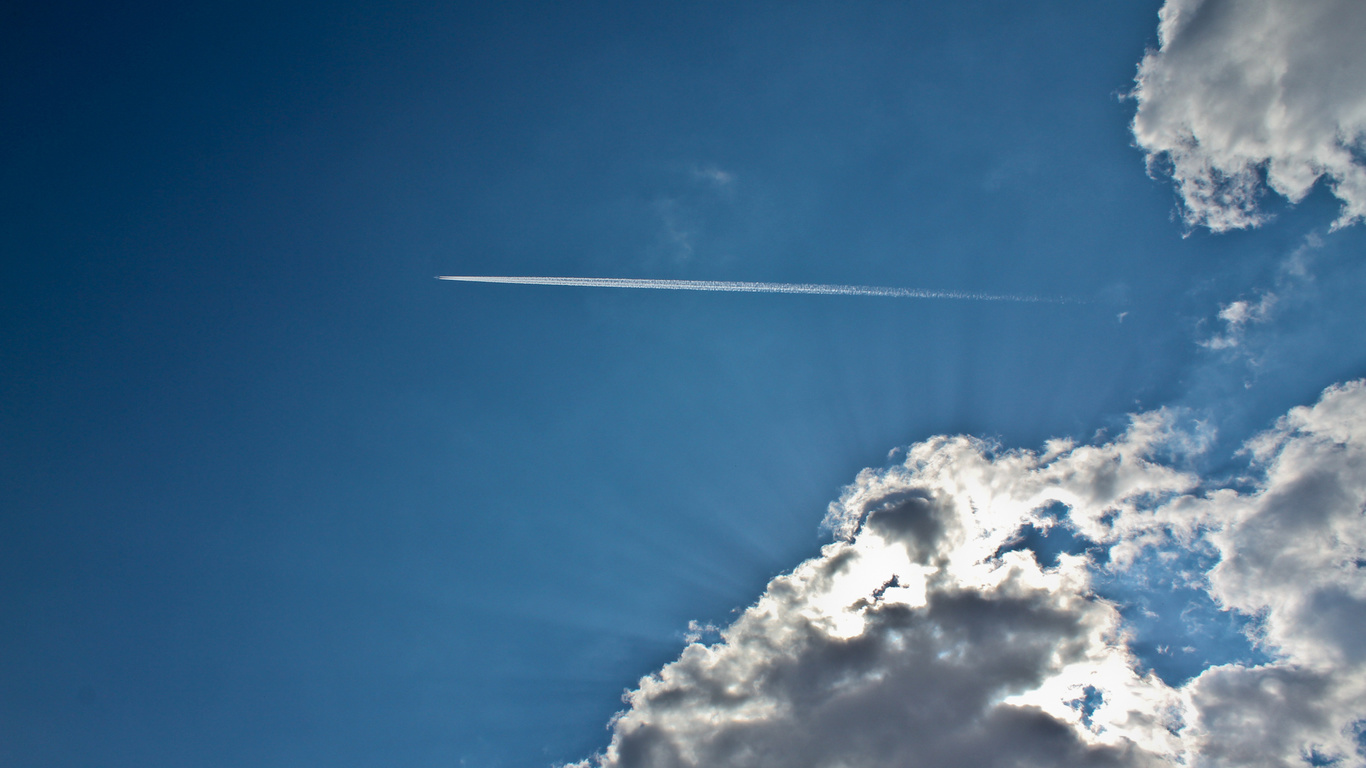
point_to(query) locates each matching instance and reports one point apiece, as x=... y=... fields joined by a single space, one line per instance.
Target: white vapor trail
x=739 y=287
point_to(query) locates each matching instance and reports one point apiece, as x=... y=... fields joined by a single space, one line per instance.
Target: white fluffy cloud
x=925 y=635
x=1242 y=92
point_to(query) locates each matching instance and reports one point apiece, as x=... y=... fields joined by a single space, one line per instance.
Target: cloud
x=677 y=230
x=1247 y=94
x=1272 y=324
x=1236 y=316
x=714 y=176
x=933 y=631
x=694 y=212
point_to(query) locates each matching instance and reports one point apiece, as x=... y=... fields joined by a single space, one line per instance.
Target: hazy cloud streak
x=744 y=287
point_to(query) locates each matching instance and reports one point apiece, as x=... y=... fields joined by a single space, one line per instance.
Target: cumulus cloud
x=1246 y=94
x=930 y=633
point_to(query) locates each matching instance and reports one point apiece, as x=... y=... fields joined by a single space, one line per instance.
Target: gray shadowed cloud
x=1246 y=94
x=925 y=635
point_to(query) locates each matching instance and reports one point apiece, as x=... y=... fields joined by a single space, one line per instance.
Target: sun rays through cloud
x=927 y=628
x=1092 y=272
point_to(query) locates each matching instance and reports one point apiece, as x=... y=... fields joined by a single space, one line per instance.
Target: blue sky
x=272 y=495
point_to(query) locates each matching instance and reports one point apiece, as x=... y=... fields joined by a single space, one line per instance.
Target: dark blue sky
x=271 y=495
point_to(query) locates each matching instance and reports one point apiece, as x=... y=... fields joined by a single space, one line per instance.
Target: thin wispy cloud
x=1256 y=327
x=693 y=212
x=677 y=231
x=713 y=175
x=1236 y=316
x=723 y=286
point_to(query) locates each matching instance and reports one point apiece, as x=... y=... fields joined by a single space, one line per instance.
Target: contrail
x=738 y=287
